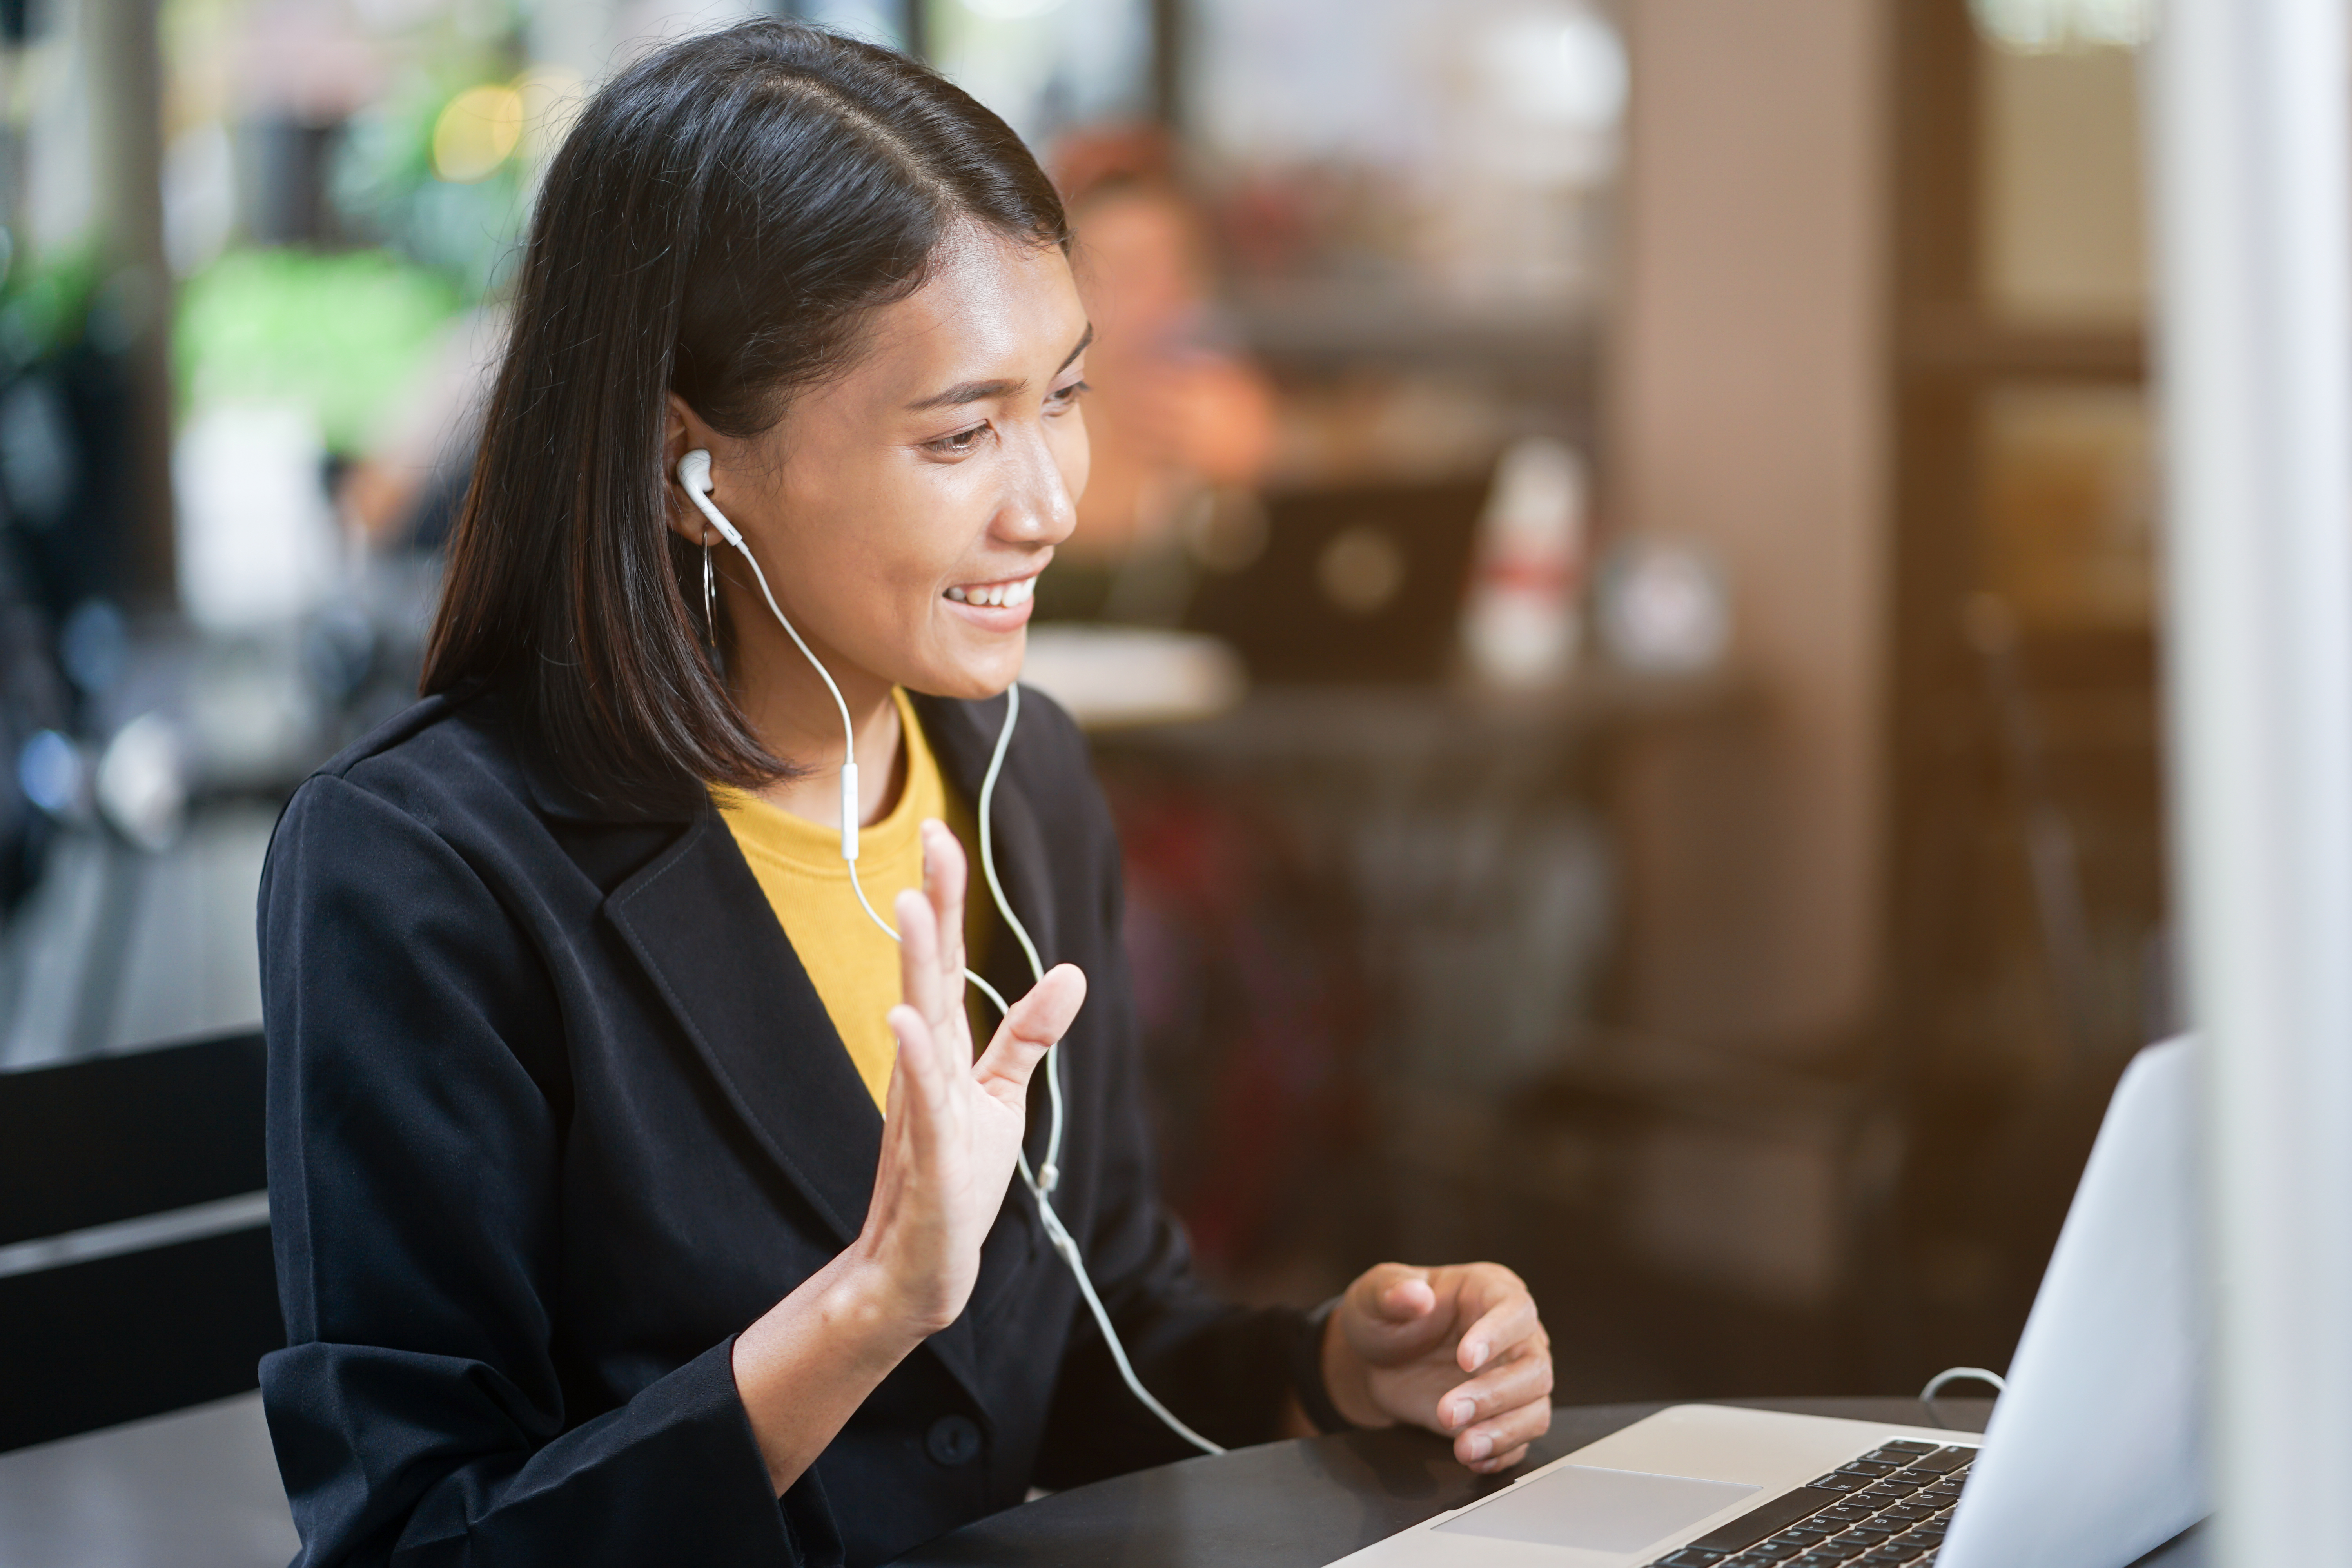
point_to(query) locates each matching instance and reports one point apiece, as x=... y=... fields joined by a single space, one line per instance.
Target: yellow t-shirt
x=798 y=863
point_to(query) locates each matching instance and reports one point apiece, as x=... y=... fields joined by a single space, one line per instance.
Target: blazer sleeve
x=1221 y=1368
x=416 y=1126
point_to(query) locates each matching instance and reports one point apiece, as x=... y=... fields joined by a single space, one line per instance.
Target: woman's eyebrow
x=981 y=391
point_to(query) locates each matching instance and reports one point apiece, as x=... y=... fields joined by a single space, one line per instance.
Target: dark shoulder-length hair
x=718 y=222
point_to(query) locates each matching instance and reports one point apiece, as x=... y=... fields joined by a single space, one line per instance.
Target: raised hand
x=953 y=1127
x=951 y=1136
x=1459 y=1349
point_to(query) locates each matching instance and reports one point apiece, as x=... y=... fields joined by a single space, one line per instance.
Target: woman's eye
x=1064 y=396
x=961 y=441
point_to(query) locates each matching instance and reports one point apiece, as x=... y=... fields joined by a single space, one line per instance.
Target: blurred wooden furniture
x=135 y=1270
x=2029 y=877
x=1367 y=921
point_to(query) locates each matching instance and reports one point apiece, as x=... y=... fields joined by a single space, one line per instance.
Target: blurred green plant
x=342 y=334
x=45 y=303
x=391 y=180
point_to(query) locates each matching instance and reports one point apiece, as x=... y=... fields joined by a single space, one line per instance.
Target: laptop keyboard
x=1889 y=1507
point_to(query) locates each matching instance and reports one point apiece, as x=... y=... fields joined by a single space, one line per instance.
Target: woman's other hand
x=1458 y=1349
x=952 y=1128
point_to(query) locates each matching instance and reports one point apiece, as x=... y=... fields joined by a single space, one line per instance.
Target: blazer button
x=952 y=1440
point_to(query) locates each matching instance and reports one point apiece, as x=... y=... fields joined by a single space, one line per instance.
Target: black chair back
x=135 y=1272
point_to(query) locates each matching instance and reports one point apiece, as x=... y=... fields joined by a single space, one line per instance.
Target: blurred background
x=1615 y=604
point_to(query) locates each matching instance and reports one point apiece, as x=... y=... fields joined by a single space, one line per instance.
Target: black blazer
x=554 y=1112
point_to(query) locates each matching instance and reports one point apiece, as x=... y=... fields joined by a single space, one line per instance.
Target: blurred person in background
x=403 y=493
x=1179 y=413
x=619 y=1215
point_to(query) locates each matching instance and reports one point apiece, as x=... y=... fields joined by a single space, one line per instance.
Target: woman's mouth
x=1011 y=593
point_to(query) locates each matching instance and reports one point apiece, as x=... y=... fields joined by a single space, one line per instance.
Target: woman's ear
x=682 y=432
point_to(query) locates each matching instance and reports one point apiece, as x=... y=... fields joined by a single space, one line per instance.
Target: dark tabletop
x=1301 y=1504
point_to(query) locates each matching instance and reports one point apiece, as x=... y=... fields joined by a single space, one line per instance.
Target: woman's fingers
x=919 y=1064
x=1496 y=1415
x=1517 y=1381
x=1501 y=1441
x=1035 y=1025
x=1392 y=1314
x=915 y=1109
x=919 y=954
x=1507 y=1403
x=926 y=984
x=945 y=876
x=894 y=1098
x=1507 y=1316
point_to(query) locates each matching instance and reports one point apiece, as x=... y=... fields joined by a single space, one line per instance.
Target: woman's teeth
x=1002 y=595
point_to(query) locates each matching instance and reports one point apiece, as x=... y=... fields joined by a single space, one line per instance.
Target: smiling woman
x=917 y=502
x=720 y=231
x=634 y=1198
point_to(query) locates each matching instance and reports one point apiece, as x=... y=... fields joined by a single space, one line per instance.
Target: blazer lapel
x=697 y=920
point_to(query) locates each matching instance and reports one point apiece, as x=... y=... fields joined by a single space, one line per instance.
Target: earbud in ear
x=694 y=476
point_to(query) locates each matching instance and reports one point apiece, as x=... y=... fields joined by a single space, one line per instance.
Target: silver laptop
x=2093 y=1457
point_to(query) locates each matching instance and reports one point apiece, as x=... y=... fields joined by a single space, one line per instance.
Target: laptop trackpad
x=1596 y=1510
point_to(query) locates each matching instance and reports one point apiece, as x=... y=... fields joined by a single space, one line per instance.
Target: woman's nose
x=1038 y=508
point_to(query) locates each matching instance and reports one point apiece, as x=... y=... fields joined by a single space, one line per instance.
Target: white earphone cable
x=694 y=478
x=1041 y=1183
x=1050 y=1175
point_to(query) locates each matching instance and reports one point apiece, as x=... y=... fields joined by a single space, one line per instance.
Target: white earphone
x=694 y=478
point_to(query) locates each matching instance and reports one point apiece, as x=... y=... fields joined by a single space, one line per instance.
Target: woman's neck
x=797 y=720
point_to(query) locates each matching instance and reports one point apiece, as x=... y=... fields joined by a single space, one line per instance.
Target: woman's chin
x=978 y=677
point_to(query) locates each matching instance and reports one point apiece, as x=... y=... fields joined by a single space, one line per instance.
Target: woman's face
x=903 y=509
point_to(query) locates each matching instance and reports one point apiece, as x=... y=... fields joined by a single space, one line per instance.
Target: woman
x=618 y=1219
